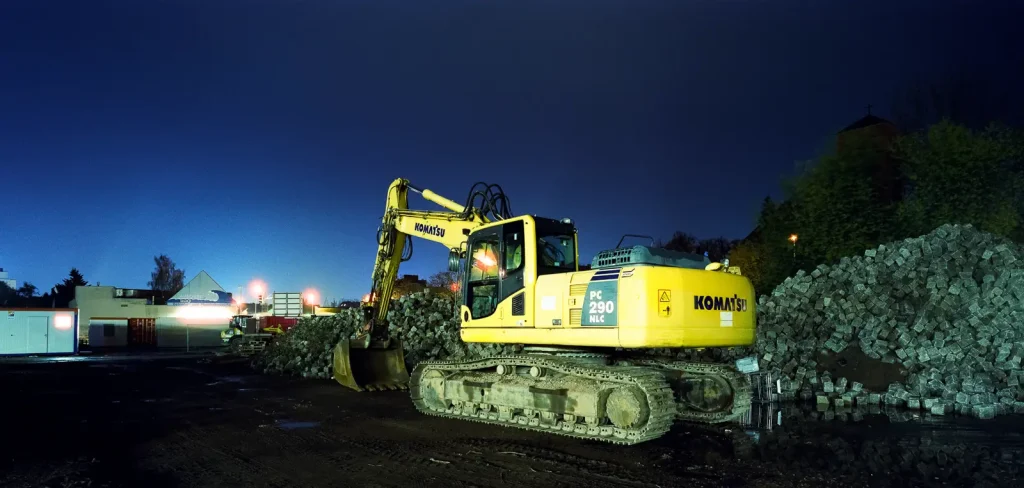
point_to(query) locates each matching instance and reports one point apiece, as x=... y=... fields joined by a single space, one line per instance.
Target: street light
x=257 y=288
x=311 y=299
x=793 y=238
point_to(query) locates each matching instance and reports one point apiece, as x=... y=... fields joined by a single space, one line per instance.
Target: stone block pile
x=933 y=323
x=426 y=323
x=940 y=316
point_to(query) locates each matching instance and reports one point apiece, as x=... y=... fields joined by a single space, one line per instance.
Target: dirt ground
x=187 y=422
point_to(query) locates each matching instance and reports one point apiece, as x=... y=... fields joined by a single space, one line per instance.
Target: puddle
x=123 y=367
x=880 y=446
x=293 y=425
x=227 y=379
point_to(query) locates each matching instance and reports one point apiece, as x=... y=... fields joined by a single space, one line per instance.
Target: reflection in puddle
x=292 y=425
x=227 y=379
x=892 y=447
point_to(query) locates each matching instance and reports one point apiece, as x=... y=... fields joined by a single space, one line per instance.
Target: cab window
x=556 y=253
x=513 y=271
x=482 y=289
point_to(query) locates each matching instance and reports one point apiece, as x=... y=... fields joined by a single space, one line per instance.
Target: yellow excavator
x=582 y=371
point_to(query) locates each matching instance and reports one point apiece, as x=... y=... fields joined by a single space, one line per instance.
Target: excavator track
x=619 y=404
x=733 y=389
x=573 y=395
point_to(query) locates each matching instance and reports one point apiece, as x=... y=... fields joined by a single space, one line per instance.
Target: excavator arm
x=450 y=228
x=373 y=360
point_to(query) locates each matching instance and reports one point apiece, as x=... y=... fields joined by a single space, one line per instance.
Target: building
x=111 y=317
x=879 y=134
x=7 y=280
x=410 y=283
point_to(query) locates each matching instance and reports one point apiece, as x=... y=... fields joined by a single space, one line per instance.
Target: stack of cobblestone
x=426 y=323
x=944 y=311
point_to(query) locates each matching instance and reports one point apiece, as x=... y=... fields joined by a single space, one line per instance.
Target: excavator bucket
x=370 y=368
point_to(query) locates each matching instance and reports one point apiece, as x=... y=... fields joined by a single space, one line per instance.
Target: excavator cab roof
x=545 y=224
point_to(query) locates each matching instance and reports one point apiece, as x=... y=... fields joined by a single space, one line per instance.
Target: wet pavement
x=211 y=422
x=889 y=447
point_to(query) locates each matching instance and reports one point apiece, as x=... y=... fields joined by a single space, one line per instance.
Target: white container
x=38 y=331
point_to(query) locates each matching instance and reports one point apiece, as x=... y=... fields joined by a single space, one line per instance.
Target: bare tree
x=27 y=290
x=445 y=283
x=167 y=277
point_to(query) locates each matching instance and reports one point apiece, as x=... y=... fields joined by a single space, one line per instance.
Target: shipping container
x=142 y=333
x=38 y=331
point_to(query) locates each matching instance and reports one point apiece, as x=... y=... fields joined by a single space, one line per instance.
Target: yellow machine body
x=630 y=306
x=651 y=307
x=522 y=284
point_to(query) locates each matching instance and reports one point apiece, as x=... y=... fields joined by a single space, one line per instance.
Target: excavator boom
x=373 y=360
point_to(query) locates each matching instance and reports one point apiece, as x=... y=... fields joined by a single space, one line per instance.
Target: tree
x=445 y=283
x=840 y=207
x=166 y=277
x=681 y=242
x=64 y=292
x=717 y=248
x=27 y=290
x=958 y=175
x=7 y=294
x=768 y=257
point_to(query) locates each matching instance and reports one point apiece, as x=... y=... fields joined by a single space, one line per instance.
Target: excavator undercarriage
x=589 y=395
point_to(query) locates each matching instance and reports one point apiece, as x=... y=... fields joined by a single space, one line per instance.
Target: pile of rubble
x=426 y=323
x=930 y=323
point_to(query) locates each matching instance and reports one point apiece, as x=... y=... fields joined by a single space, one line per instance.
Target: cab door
x=496 y=275
x=482 y=274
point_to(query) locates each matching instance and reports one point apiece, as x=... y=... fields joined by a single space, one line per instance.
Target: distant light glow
x=257 y=288
x=203 y=312
x=485 y=260
x=311 y=297
x=63 y=322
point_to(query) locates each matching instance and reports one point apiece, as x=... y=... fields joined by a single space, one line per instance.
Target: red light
x=257 y=288
x=310 y=296
x=63 y=322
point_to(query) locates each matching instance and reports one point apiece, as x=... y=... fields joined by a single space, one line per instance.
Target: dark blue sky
x=256 y=138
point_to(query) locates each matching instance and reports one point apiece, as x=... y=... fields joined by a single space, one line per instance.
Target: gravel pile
x=929 y=323
x=426 y=323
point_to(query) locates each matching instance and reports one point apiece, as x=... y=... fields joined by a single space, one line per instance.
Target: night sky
x=257 y=138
